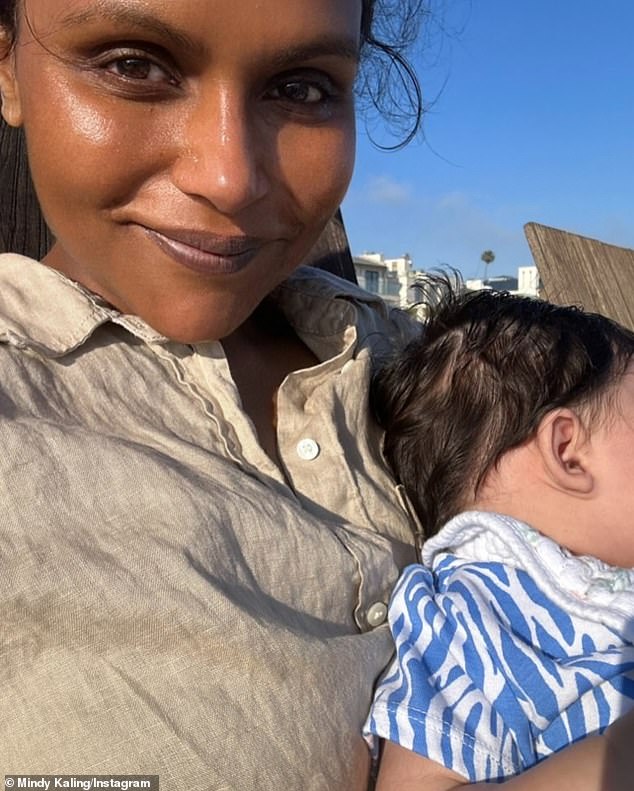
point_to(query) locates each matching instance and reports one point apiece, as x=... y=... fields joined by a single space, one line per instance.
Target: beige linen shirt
x=171 y=601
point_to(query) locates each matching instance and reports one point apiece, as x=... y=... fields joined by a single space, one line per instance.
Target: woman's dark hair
x=8 y=14
x=387 y=81
x=485 y=370
x=22 y=227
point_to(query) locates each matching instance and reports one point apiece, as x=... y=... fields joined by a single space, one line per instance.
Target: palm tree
x=488 y=256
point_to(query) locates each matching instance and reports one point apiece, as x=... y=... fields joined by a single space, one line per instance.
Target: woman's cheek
x=319 y=172
x=89 y=124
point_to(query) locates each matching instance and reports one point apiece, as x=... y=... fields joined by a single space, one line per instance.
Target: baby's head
x=512 y=404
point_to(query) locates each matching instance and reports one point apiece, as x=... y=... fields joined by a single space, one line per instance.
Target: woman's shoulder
x=371 y=315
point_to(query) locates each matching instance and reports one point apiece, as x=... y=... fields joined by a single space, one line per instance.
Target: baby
x=510 y=424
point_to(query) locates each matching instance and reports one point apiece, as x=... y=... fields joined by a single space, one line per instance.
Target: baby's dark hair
x=486 y=369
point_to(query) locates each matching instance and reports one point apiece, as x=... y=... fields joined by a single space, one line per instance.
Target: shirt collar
x=323 y=308
x=42 y=309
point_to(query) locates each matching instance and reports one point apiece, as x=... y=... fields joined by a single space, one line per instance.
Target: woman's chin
x=194 y=328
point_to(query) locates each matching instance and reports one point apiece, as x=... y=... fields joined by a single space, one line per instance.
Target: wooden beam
x=332 y=251
x=578 y=270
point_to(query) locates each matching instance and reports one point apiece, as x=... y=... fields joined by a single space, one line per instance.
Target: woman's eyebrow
x=113 y=10
x=325 y=46
x=107 y=11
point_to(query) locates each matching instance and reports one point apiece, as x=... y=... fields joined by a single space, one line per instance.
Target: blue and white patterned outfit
x=508 y=648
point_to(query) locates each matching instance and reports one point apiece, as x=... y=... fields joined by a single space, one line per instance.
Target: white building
x=396 y=281
x=528 y=281
x=526 y=284
x=390 y=278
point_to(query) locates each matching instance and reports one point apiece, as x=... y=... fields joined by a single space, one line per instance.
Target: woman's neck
x=261 y=353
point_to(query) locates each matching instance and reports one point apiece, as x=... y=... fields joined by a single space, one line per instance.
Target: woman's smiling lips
x=206 y=253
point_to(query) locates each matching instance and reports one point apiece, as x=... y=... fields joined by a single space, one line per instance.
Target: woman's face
x=186 y=154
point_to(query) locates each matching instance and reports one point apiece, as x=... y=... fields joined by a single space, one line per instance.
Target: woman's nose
x=222 y=158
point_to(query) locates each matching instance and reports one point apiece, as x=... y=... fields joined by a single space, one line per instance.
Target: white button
x=377 y=614
x=307 y=449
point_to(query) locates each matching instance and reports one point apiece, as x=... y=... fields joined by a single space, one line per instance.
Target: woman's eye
x=300 y=92
x=139 y=69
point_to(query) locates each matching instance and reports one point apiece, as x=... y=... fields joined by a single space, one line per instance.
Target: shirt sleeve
x=441 y=697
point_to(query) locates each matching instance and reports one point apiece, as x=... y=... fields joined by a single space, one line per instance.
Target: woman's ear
x=562 y=442
x=9 y=95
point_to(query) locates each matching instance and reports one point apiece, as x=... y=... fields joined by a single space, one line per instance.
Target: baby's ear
x=562 y=442
x=11 y=107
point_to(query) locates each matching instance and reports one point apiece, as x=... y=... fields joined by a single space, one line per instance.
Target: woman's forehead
x=202 y=16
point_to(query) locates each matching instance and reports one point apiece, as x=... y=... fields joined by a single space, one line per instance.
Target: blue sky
x=535 y=122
